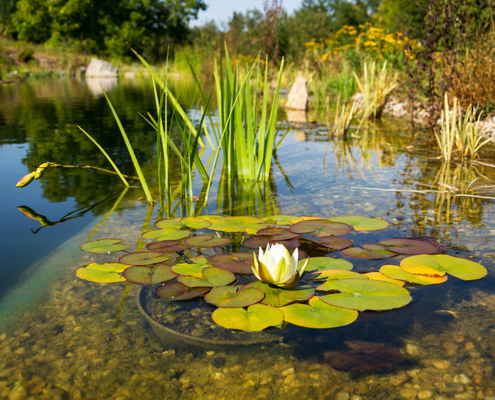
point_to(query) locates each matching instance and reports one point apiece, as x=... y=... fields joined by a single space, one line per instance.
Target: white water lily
x=277 y=267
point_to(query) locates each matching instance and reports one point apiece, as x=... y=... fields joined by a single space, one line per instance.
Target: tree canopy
x=106 y=27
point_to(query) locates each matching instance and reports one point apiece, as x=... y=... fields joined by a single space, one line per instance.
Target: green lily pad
x=166 y=234
x=144 y=258
x=409 y=246
x=201 y=260
x=187 y=269
x=107 y=272
x=185 y=222
x=278 y=297
x=320 y=228
x=176 y=291
x=365 y=294
x=232 y=297
x=282 y=219
x=324 y=263
x=207 y=241
x=396 y=272
x=167 y=246
x=149 y=276
x=212 y=277
x=370 y=251
x=334 y=274
x=256 y=318
x=104 y=246
x=231 y=263
x=460 y=268
x=378 y=276
x=360 y=223
x=318 y=314
x=236 y=224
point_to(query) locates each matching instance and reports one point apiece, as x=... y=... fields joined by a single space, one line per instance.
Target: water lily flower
x=277 y=267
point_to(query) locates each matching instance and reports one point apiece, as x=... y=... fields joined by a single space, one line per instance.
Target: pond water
x=65 y=338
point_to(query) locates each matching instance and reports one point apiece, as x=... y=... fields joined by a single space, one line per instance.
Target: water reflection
x=95 y=85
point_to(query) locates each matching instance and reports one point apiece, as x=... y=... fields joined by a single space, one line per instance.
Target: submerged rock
x=218 y=362
x=365 y=357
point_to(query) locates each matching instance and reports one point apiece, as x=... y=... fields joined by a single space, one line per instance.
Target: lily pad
x=236 y=224
x=366 y=357
x=321 y=227
x=232 y=297
x=409 y=246
x=255 y=242
x=176 y=291
x=231 y=263
x=360 y=223
x=107 y=272
x=365 y=294
x=277 y=233
x=185 y=222
x=318 y=314
x=149 y=276
x=187 y=269
x=278 y=297
x=335 y=242
x=144 y=258
x=166 y=234
x=378 y=276
x=334 y=274
x=246 y=257
x=282 y=219
x=201 y=260
x=369 y=251
x=207 y=241
x=104 y=246
x=324 y=263
x=396 y=272
x=167 y=246
x=256 y=318
x=212 y=277
x=460 y=268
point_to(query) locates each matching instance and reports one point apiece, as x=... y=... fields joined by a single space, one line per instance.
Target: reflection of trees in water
x=46 y=115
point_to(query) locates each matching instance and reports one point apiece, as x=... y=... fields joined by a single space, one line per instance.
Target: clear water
x=60 y=337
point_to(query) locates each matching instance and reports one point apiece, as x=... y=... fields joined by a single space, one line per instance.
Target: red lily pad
x=231 y=263
x=321 y=227
x=231 y=297
x=246 y=257
x=334 y=242
x=277 y=233
x=144 y=258
x=207 y=241
x=409 y=246
x=365 y=357
x=167 y=246
x=149 y=276
x=370 y=251
x=255 y=242
x=177 y=291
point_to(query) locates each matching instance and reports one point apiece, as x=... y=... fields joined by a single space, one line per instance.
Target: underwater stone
x=17 y=393
x=218 y=362
x=441 y=364
x=424 y=394
x=412 y=350
x=408 y=393
x=342 y=396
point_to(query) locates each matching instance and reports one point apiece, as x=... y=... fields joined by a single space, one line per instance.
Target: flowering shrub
x=365 y=41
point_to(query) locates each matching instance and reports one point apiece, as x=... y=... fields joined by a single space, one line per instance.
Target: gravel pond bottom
x=63 y=346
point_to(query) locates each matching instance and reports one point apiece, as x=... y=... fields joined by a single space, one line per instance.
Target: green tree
x=107 y=27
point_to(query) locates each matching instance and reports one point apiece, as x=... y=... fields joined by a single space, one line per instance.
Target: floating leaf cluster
x=329 y=294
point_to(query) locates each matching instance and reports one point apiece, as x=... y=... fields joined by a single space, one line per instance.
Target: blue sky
x=221 y=10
